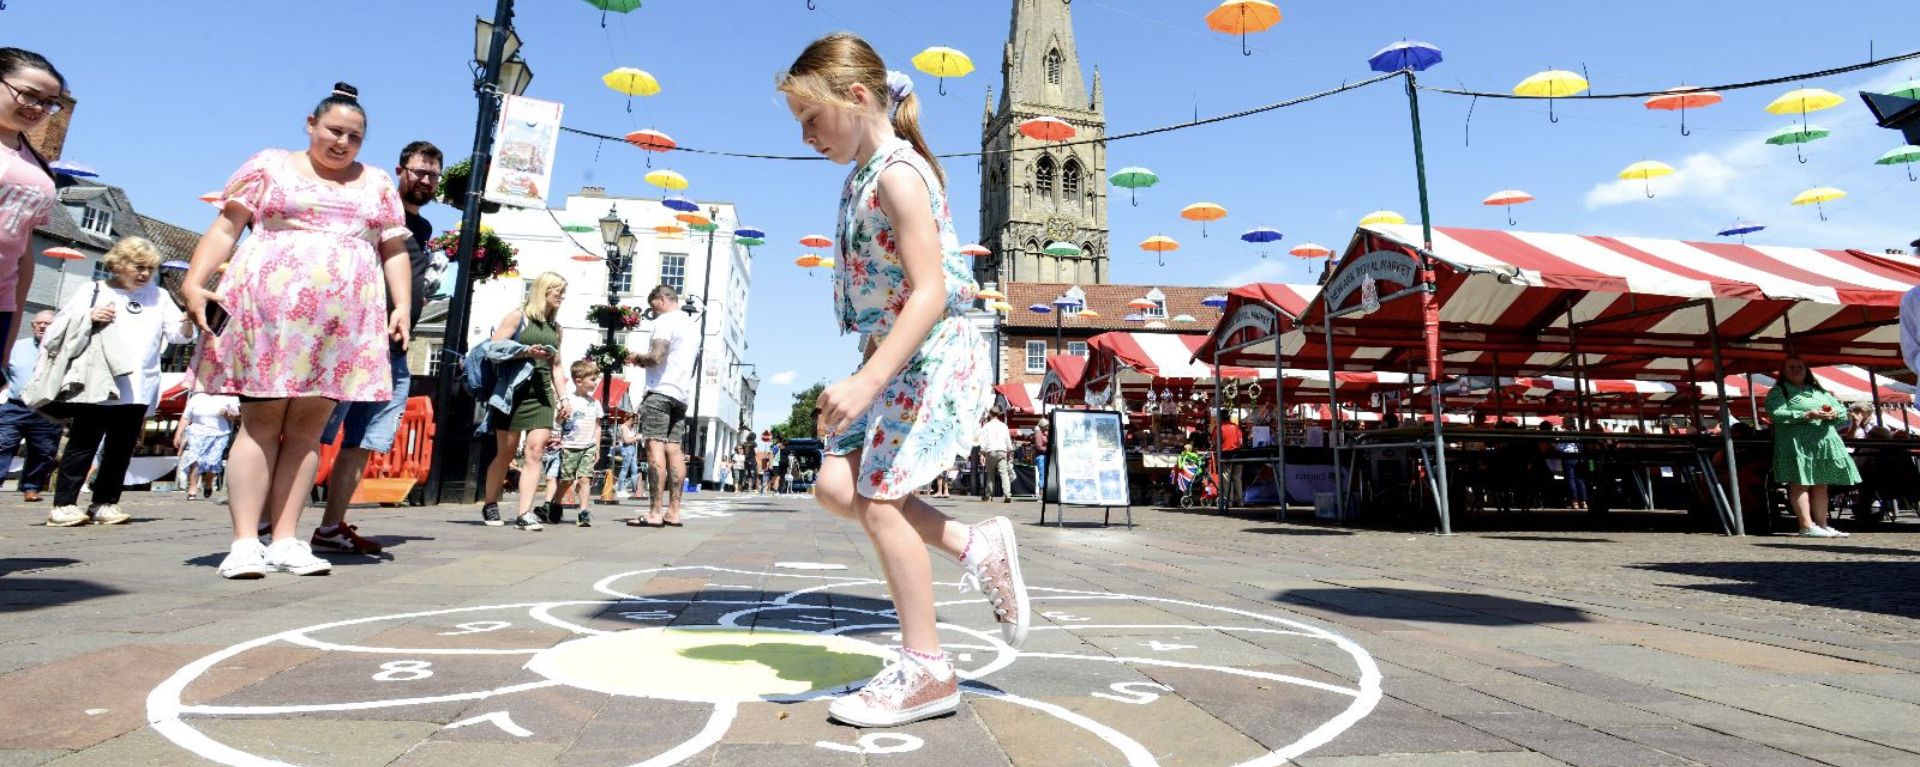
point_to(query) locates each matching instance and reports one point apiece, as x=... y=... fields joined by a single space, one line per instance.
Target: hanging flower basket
x=455 y=181
x=492 y=256
x=610 y=357
x=615 y=317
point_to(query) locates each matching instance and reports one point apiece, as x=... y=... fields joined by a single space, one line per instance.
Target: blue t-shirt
x=21 y=361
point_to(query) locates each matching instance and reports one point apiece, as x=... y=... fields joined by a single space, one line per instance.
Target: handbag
x=46 y=388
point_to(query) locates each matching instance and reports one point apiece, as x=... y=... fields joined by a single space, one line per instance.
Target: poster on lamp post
x=523 y=146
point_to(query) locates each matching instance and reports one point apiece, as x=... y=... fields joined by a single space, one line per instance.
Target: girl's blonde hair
x=536 y=307
x=826 y=71
x=132 y=251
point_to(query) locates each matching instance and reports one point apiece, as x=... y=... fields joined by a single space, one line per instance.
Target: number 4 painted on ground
x=876 y=743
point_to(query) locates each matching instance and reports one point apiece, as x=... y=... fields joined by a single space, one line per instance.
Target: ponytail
x=906 y=125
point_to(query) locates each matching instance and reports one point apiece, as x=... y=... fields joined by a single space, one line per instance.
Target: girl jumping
x=901 y=282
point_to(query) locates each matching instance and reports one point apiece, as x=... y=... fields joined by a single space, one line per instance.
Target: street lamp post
x=699 y=359
x=620 y=241
x=452 y=474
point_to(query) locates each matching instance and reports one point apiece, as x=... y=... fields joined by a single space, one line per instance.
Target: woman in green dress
x=1807 y=452
x=534 y=403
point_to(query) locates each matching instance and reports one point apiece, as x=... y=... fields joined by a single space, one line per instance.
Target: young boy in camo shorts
x=580 y=436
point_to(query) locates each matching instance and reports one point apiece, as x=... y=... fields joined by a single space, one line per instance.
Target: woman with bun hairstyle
x=30 y=90
x=300 y=320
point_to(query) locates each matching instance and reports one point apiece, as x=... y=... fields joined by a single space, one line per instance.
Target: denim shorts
x=371 y=425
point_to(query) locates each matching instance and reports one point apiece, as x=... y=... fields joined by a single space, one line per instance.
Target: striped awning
x=1019 y=397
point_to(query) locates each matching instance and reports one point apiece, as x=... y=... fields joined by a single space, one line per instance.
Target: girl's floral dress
x=931 y=410
x=305 y=290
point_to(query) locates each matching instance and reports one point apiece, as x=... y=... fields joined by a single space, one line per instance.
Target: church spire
x=1041 y=40
x=1099 y=96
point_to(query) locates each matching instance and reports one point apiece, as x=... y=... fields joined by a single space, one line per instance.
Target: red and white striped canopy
x=1247 y=321
x=1020 y=397
x=1063 y=383
x=1123 y=358
x=1506 y=301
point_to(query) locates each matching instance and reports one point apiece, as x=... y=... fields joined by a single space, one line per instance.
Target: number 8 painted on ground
x=403 y=671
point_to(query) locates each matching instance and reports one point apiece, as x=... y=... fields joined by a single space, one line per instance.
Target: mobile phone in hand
x=217 y=317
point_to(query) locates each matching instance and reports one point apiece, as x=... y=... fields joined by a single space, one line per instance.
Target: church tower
x=1043 y=191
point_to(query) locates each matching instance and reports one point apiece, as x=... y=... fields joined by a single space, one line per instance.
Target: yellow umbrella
x=1238 y=17
x=1000 y=306
x=1203 y=212
x=1804 y=100
x=1550 y=85
x=826 y=263
x=633 y=82
x=1645 y=170
x=1818 y=195
x=1089 y=313
x=942 y=62
x=991 y=295
x=666 y=179
x=1160 y=244
x=1382 y=217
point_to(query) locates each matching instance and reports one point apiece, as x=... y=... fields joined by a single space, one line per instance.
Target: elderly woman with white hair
x=133 y=320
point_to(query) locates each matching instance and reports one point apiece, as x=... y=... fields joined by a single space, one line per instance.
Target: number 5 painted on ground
x=1129 y=695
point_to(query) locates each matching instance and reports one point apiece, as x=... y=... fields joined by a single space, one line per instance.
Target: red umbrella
x=975 y=250
x=64 y=254
x=1682 y=99
x=1047 y=129
x=652 y=141
x=816 y=241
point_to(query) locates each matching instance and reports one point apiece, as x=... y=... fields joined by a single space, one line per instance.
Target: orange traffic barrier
x=390 y=476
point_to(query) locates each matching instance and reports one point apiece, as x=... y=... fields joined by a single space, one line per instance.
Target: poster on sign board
x=1089 y=461
x=524 y=143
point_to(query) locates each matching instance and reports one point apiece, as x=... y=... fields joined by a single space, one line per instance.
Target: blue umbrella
x=74 y=169
x=1741 y=228
x=1262 y=235
x=1040 y=309
x=1214 y=301
x=1066 y=302
x=174 y=264
x=681 y=204
x=750 y=232
x=1406 y=54
x=1135 y=318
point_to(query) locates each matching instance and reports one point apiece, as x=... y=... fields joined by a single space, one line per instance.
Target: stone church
x=1043 y=192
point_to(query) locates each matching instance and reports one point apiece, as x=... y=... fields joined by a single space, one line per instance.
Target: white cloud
x=1267 y=270
x=782 y=378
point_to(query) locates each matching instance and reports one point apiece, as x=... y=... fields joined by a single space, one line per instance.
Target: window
x=1036 y=356
x=1159 y=310
x=1043 y=177
x=100 y=271
x=433 y=359
x=623 y=281
x=1077 y=348
x=1053 y=66
x=673 y=271
x=96 y=221
x=1070 y=183
x=1072 y=311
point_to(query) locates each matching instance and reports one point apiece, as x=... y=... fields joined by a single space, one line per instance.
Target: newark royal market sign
x=1394 y=267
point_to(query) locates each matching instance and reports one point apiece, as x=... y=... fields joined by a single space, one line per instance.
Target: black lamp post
x=699 y=359
x=620 y=241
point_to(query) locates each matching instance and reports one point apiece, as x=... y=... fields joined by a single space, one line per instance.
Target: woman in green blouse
x=1807 y=452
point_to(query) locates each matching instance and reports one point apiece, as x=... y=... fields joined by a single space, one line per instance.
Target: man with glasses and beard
x=370 y=426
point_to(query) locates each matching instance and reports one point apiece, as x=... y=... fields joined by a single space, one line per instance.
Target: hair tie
x=899 y=85
x=337 y=93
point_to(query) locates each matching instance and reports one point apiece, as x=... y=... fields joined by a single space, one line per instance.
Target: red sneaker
x=344 y=538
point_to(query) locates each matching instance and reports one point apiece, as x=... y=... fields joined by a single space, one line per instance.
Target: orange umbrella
x=1160 y=245
x=652 y=141
x=693 y=219
x=1203 y=212
x=1682 y=99
x=1311 y=250
x=816 y=241
x=1238 y=17
x=1508 y=198
x=585 y=257
x=1047 y=129
x=975 y=250
x=1142 y=303
x=807 y=261
x=64 y=254
x=670 y=230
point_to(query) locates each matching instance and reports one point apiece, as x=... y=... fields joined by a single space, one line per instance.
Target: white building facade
x=566 y=239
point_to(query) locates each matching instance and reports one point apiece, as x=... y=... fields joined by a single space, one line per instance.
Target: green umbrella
x=579 y=228
x=1061 y=249
x=617 y=6
x=1905 y=155
x=1912 y=91
x=1134 y=179
x=1797 y=135
x=707 y=227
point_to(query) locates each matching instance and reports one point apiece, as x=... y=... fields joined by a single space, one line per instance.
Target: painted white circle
x=712 y=664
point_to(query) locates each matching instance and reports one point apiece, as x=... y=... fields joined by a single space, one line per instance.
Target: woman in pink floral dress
x=915 y=403
x=309 y=323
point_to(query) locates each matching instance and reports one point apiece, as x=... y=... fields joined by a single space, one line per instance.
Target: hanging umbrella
x=1741 y=228
x=1905 y=155
x=1645 y=170
x=826 y=263
x=1215 y=301
x=1156 y=325
x=1239 y=17
x=630 y=81
x=1508 y=198
x=817 y=241
x=1040 y=308
x=1061 y=249
x=681 y=204
x=693 y=220
x=579 y=228
x=749 y=243
x=1797 y=135
x=1910 y=91
x=1817 y=196
x=1142 y=303
x=1160 y=245
x=63 y=254
x=748 y=232
x=1183 y=318
x=708 y=227
x=807 y=261
x=1804 y=100
x=1089 y=313
x=1000 y=306
x=1682 y=99
x=214 y=198
x=1047 y=129
x=1550 y=85
x=670 y=230
x=943 y=63
x=652 y=141
x=1134 y=318
x=974 y=250
x=991 y=295
x=585 y=257
x=1261 y=235
x=1203 y=212
x=666 y=179
x=174 y=264
x=1382 y=217
x=1311 y=250
x=1406 y=54
x=617 y=6
x=1134 y=179
x=74 y=169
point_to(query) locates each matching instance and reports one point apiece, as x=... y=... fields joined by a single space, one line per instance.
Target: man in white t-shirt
x=996 y=447
x=669 y=360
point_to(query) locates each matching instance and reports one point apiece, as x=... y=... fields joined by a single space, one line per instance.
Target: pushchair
x=1196 y=482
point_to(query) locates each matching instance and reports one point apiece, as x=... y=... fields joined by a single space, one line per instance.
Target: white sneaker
x=995 y=571
x=1837 y=533
x=295 y=556
x=1818 y=532
x=67 y=516
x=108 y=514
x=247 y=560
x=905 y=691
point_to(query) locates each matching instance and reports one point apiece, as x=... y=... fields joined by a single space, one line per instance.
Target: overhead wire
x=1869 y=64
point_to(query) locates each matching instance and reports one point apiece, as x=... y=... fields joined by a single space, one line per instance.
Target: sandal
x=638 y=522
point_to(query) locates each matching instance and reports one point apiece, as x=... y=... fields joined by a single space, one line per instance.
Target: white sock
x=975 y=552
x=934 y=664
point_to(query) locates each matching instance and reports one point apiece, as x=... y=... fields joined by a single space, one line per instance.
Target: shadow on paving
x=1873 y=587
x=22 y=591
x=1547 y=538
x=1296 y=530
x=11 y=565
x=1432 y=606
x=1871 y=551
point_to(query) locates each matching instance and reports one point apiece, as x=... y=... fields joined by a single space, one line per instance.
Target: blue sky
x=168 y=117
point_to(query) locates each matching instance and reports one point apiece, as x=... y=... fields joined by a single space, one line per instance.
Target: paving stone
x=320 y=742
x=1785 y=735
x=1835 y=710
x=439 y=753
x=14 y=757
x=1457 y=759
x=1569 y=742
x=47 y=707
x=1709 y=748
